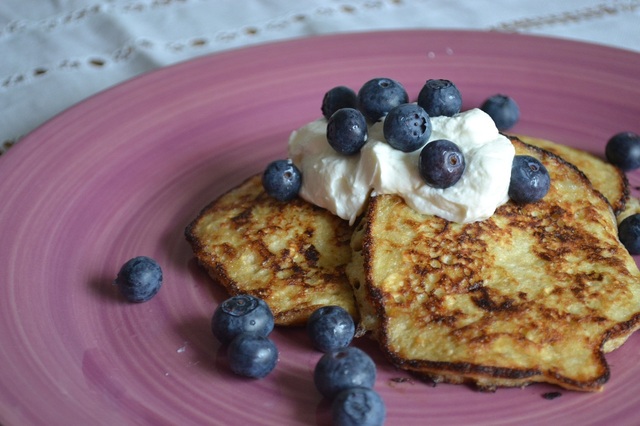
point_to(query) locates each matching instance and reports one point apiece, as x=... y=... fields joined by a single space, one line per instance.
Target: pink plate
x=122 y=173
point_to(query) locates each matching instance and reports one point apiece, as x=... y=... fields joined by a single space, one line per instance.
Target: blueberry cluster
x=345 y=375
x=623 y=151
x=407 y=126
x=244 y=323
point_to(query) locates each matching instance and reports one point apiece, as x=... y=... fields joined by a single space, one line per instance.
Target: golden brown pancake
x=536 y=293
x=291 y=254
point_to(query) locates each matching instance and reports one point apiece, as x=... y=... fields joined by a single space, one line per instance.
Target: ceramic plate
x=122 y=174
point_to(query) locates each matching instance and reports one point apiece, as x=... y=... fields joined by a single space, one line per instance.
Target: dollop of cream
x=342 y=184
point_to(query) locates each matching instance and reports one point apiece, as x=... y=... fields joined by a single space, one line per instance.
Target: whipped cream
x=342 y=184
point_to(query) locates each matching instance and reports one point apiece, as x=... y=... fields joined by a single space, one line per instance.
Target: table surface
x=56 y=54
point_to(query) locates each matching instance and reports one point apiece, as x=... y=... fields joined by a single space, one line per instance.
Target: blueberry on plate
x=241 y=314
x=441 y=163
x=282 y=180
x=623 y=150
x=347 y=131
x=378 y=96
x=330 y=328
x=252 y=355
x=336 y=98
x=358 y=407
x=503 y=110
x=530 y=180
x=440 y=97
x=139 y=279
x=407 y=127
x=629 y=233
x=343 y=369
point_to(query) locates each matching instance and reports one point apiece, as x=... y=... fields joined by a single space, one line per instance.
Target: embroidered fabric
x=58 y=52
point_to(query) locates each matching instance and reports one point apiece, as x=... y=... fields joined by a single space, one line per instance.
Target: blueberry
x=530 y=180
x=342 y=369
x=282 y=180
x=330 y=328
x=337 y=98
x=347 y=131
x=503 y=110
x=139 y=279
x=407 y=127
x=240 y=314
x=440 y=97
x=252 y=355
x=623 y=150
x=377 y=96
x=358 y=407
x=441 y=163
x=629 y=233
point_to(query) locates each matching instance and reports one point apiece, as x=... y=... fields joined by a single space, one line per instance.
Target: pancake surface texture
x=291 y=254
x=536 y=293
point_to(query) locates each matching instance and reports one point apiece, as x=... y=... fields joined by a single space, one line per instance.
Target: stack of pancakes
x=536 y=293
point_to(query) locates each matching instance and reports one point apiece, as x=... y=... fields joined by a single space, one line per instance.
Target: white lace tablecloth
x=56 y=53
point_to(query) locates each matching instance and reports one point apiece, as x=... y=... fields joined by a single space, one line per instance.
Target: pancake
x=536 y=293
x=291 y=254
